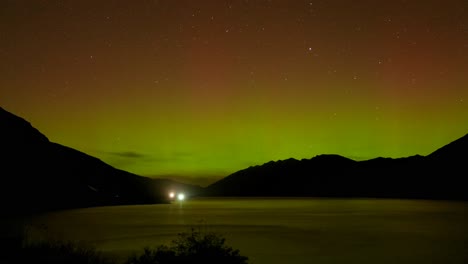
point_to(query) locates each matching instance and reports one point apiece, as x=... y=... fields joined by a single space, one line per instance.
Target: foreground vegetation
x=51 y=252
x=192 y=247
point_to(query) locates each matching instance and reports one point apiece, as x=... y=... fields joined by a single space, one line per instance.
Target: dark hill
x=440 y=175
x=37 y=174
x=455 y=153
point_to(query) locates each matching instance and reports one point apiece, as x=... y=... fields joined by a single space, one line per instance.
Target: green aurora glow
x=196 y=90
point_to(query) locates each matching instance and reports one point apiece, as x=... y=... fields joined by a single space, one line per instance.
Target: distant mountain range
x=37 y=175
x=440 y=175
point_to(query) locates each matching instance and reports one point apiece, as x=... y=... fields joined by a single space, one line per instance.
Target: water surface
x=271 y=230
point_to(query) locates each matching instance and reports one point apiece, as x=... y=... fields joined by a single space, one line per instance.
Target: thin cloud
x=200 y=180
x=133 y=155
x=129 y=154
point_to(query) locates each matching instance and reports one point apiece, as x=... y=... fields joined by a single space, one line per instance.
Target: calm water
x=271 y=231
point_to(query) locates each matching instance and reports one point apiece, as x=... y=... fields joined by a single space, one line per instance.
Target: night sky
x=197 y=90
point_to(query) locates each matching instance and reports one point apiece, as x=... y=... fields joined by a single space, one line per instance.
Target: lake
x=277 y=230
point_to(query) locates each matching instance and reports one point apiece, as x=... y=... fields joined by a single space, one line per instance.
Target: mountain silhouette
x=454 y=153
x=38 y=175
x=439 y=175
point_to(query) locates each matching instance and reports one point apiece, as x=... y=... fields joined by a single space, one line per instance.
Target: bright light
x=181 y=196
x=171 y=195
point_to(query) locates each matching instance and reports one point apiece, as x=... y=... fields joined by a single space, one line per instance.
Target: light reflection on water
x=273 y=230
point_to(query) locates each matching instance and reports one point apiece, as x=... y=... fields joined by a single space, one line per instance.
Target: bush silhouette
x=51 y=252
x=59 y=252
x=194 y=247
x=33 y=246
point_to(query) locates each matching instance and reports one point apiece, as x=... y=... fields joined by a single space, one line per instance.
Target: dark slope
x=455 y=152
x=440 y=175
x=37 y=174
x=450 y=164
x=282 y=178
